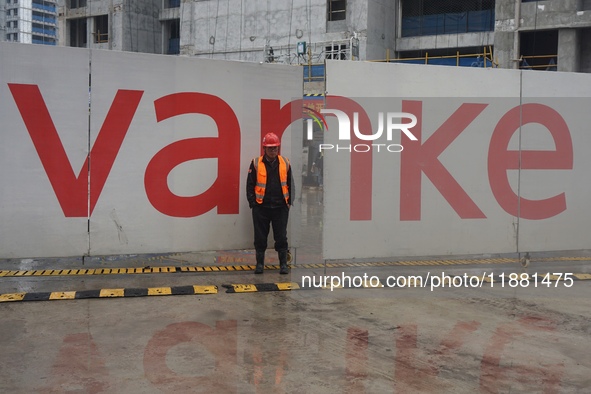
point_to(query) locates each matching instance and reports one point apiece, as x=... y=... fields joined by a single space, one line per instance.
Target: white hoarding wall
x=112 y=153
x=458 y=189
x=170 y=140
x=51 y=88
x=559 y=218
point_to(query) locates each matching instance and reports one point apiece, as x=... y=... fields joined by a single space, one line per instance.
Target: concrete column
x=118 y=39
x=507 y=23
x=503 y=42
x=89 y=30
x=569 y=50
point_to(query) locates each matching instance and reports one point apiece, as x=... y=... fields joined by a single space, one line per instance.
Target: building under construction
x=540 y=35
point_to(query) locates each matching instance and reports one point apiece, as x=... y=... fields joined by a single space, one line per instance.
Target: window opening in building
x=435 y=17
x=174 y=36
x=336 y=52
x=539 y=50
x=172 y=3
x=337 y=10
x=77 y=3
x=101 y=29
x=77 y=28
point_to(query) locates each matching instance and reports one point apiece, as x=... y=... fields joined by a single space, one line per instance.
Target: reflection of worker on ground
x=268 y=190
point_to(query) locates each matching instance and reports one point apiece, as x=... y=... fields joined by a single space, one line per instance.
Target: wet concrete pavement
x=498 y=337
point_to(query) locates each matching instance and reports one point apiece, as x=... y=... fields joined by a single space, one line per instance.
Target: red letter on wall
x=72 y=190
x=418 y=157
x=276 y=119
x=500 y=160
x=224 y=193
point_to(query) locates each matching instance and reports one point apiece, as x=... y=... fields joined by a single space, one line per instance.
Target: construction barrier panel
x=107 y=152
x=499 y=164
x=117 y=153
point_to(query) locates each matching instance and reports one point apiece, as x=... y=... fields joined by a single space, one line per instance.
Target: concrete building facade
x=285 y=31
x=29 y=21
x=122 y=25
x=536 y=30
x=539 y=35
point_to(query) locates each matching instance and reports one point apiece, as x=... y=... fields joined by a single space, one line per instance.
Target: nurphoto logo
x=394 y=121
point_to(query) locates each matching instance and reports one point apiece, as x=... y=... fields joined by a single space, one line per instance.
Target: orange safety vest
x=261 y=185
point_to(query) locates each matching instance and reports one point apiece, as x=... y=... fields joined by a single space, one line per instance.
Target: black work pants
x=262 y=219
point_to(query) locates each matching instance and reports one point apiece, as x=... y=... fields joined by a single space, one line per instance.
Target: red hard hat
x=271 y=139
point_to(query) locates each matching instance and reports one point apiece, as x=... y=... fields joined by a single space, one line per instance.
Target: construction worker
x=269 y=194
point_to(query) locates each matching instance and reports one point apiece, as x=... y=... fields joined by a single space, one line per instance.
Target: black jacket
x=273 y=194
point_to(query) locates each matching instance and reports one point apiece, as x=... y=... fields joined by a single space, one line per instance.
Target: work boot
x=260 y=262
x=283 y=262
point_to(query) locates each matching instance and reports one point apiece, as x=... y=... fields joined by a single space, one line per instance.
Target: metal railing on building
x=100 y=38
x=539 y=62
x=483 y=59
x=315 y=71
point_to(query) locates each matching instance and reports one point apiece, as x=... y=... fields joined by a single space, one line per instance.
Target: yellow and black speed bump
x=233 y=268
x=259 y=287
x=109 y=293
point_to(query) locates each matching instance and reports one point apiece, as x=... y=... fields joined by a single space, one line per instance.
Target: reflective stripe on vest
x=261 y=185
